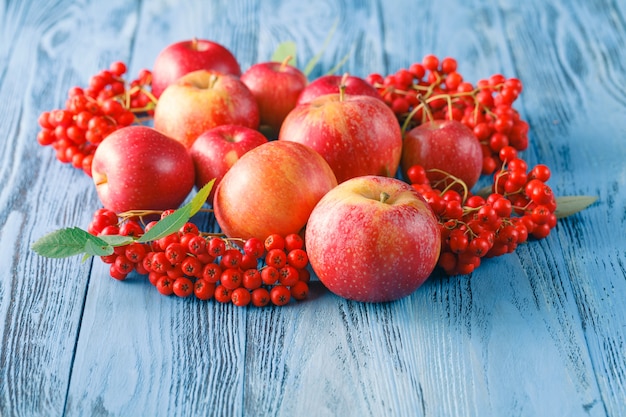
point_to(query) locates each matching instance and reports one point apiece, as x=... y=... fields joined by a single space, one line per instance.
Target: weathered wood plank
x=575 y=111
x=45 y=50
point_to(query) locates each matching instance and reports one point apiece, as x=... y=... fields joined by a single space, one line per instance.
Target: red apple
x=217 y=149
x=356 y=135
x=202 y=100
x=443 y=145
x=276 y=87
x=329 y=84
x=187 y=56
x=139 y=168
x=271 y=189
x=372 y=239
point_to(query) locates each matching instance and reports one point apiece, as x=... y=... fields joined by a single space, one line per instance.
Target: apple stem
x=384 y=197
x=213 y=80
x=285 y=62
x=342 y=86
x=194 y=43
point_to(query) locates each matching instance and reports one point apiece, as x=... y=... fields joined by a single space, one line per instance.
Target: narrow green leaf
x=66 y=242
x=313 y=61
x=283 y=51
x=178 y=218
x=167 y=225
x=200 y=198
x=568 y=205
x=117 y=240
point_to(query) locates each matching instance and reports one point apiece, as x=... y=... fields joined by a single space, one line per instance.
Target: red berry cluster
x=433 y=89
x=90 y=114
x=188 y=262
x=520 y=205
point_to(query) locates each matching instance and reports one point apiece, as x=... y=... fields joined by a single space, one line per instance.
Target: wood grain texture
x=540 y=332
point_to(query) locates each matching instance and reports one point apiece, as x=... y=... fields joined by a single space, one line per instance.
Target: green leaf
x=178 y=218
x=313 y=61
x=568 y=205
x=117 y=240
x=285 y=50
x=93 y=248
x=200 y=198
x=67 y=242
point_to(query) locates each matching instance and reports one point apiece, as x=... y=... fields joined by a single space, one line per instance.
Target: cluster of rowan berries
x=92 y=113
x=520 y=205
x=433 y=89
x=188 y=262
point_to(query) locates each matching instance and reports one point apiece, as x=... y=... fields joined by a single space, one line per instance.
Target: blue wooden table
x=540 y=332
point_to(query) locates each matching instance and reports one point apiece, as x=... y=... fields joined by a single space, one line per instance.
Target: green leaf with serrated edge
x=313 y=61
x=93 y=248
x=65 y=242
x=176 y=220
x=568 y=205
x=117 y=240
x=283 y=51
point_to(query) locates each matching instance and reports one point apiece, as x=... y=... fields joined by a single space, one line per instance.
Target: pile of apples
x=318 y=158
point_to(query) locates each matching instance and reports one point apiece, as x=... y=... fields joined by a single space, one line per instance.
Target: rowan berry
x=269 y=275
x=417 y=175
x=248 y=262
x=222 y=294
x=203 y=289
x=231 y=278
x=539 y=172
x=288 y=275
x=458 y=241
x=254 y=247
x=165 y=241
x=189 y=228
x=153 y=277
x=280 y=295
x=276 y=258
x=252 y=279
x=479 y=246
x=192 y=267
x=293 y=241
x=135 y=252
x=175 y=252
x=160 y=263
x=197 y=245
x=260 y=297
x=297 y=258
x=241 y=297
x=541 y=231
x=217 y=247
x=300 y=290
x=131 y=228
x=274 y=241
x=183 y=287
x=231 y=259
x=164 y=285
x=175 y=271
x=211 y=272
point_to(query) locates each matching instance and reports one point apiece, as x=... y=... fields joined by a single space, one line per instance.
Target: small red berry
x=280 y=295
